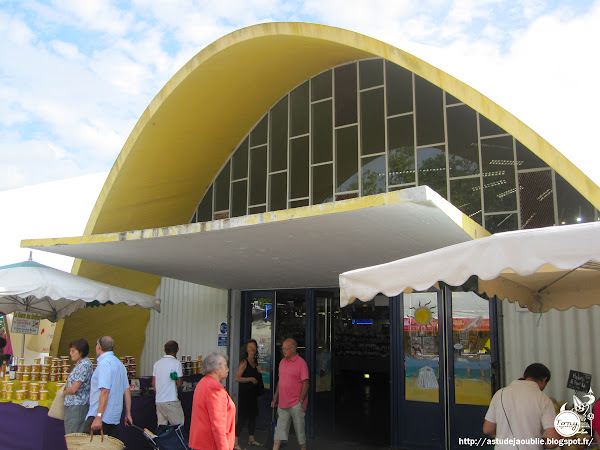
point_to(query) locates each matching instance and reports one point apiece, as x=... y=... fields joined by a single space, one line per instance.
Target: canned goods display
x=37 y=361
x=59 y=385
x=47 y=360
x=19 y=375
x=9 y=388
x=43 y=395
x=34 y=396
x=34 y=387
x=43 y=385
x=52 y=377
x=25 y=376
x=36 y=368
x=24 y=385
x=20 y=395
x=35 y=376
x=45 y=368
x=65 y=376
x=42 y=377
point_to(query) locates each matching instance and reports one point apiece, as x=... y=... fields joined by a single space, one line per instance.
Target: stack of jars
x=25 y=390
x=7 y=388
x=58 y=369
x=190 y=367
x=130 y=365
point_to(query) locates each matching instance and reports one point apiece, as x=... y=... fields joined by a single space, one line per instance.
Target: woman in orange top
x=213 y=412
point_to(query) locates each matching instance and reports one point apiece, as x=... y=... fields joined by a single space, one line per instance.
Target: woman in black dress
x=248 y=375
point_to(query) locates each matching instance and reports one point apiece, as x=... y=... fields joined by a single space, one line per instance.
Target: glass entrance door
x=449 y=349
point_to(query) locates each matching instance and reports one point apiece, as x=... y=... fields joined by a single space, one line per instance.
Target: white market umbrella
x=54 y=294
x=544 y=268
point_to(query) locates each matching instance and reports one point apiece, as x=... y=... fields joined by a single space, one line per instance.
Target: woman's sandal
x=255 y=443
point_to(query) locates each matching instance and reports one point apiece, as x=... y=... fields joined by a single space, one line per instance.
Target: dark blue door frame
x=403 y=436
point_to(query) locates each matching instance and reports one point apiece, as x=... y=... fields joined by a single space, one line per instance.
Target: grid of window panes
x=370 y=127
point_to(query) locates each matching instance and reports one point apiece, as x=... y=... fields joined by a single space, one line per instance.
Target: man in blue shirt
x=109 y=389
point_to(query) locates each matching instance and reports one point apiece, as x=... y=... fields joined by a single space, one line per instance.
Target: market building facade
x=284 y=154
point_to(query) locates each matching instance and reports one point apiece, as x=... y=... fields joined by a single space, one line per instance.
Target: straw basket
x=91 y=442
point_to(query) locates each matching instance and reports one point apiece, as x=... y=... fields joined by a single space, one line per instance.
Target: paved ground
x=312 y=444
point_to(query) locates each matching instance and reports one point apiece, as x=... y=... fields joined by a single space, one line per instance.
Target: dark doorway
x=362 y=372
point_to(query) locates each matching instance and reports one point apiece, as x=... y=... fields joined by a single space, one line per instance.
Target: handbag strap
x=101 y=434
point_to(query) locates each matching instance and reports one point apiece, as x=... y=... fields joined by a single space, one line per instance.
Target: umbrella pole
x=23 y=343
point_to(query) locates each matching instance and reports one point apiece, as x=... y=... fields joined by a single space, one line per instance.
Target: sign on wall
x=222 y=337
x=579 y=381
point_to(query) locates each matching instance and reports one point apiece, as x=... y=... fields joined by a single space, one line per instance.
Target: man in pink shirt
x=292 y=393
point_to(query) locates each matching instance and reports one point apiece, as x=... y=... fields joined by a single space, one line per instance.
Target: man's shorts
x=169 y=413
x=286 y=417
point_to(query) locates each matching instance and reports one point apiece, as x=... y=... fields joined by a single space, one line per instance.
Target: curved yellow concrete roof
x=191 y=127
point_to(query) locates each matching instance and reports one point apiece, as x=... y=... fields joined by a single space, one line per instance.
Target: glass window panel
x=498 y=160
x=299 y=110
x=261 y=307
x=536 y=199
x=346 y=157
x=370 y=73
x=401 y=150
x=421 y=347
x=322 y=184
x=221 y=215
x=451 y=100
x=239 y=198
x=279 y=136
x=349 y=195
x=258 y=175
x=465 y=194
x=278 y=191
x=290 y=314
x=372 y=122
x=345 y=95
x=527 y=160
x=572 y=206
x=373 y=175
x=488 y=128
x=239 y=161
x=462 y=141
x=204 y=213
x=194 y=217
x=322 y=132
x=430 y=112
x=257 y=209
x=472 y=347
x=399 y=96
x=298 y=203
x=320 y=86
x=222 y=189
x=399 y=188
x=258 y=136
x=431 y=163
x=299 y=167
x=498 y=223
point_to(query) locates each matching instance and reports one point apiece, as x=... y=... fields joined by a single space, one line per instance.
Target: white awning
x=542 y=268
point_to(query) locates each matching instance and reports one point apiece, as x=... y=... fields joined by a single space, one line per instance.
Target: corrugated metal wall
x=562 y=340
x=191 y=315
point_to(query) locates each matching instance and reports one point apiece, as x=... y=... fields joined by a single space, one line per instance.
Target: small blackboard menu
x=579 y=381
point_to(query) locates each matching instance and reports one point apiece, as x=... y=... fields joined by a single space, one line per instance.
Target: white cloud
x=57 y=209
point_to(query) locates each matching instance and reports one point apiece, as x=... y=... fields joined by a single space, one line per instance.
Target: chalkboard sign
x=579 y=381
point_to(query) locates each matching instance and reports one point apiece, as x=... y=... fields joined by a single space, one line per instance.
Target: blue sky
x=76 y=75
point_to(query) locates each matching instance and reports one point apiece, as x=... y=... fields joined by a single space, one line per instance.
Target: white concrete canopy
x=302 y=247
